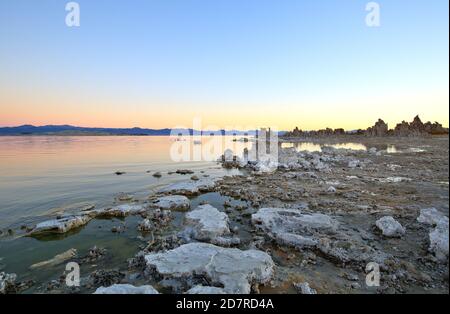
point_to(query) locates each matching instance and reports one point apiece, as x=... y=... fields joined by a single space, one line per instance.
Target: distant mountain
x=75 y=130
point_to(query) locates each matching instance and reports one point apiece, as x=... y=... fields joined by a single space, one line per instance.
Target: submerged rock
x=207 y=222
x=58 y=259
x=390 y=227
x=95 y=253
x=184 y=171
x=233 y=269
x=126 y=289
x=172 y=202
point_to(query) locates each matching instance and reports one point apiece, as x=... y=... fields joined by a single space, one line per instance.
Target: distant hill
x=68 y=130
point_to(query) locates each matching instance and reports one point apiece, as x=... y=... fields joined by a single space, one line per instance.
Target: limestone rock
x=126 y=289
x=207 y=222
x=439 y=241
x=172 y=202
x=379 y=129
x=430 y=216
x=291 y=227
x=233 y=269
x=58 y=259
x=7 y=282
x=60 y=225
x=304 y=288
x=390 y=227
x=189 y=188
x=205 y=290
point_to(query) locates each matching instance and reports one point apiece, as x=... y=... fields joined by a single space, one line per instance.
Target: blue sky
x=160 y=63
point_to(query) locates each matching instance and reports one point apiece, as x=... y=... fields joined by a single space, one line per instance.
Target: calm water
x=313 y=147
x=43 y=175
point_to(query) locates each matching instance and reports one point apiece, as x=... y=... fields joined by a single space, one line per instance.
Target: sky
x=231 y=63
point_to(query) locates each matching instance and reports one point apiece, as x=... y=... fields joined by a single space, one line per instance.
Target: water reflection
x=314 y=147
x=309 y=147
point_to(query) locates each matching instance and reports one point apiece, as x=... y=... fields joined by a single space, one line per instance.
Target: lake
x=44 y=175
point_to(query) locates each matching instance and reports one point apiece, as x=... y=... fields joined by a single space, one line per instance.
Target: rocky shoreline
x=311 y=226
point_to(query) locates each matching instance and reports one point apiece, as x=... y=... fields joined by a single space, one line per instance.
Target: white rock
x=205 y=290
x=118 y=211
x=233 y=269
x=394 y=180
x=189 y=188
x=172 y=202
x=439 y=241
x=208 y=222
x=304 y=288
x=390 y=227
x=431 y=216
x=7 y=282
x=126 y=289
x=331 y=189
x=145 y=225
x=291 y=227
x=61 y=225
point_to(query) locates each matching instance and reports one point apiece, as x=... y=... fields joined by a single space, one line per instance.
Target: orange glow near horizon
x=342 y=112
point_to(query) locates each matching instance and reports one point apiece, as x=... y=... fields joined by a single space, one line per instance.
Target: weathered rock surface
x=304 y=288
x=145 y=225
x=379 y=129
x=60 y=225
x=58 y=259
x=126 y=289
x=439 y=236
x=119 y=211
x=439 y=241
x=390 y=227
x=189 y=188
x=7 y=282
x=291 y=227
x=172 y=202
x=233 y=269
x=205 y=290
x=431 y=216
x=207 y=223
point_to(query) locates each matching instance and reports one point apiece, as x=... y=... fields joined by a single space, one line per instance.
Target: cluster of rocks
x=230 y=270
x=415 y=128
x=9 y=284
x=323 y=132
